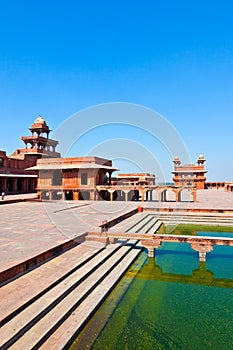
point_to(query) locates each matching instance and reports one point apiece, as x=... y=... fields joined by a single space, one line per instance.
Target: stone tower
x=192 y=175
x=38 y=144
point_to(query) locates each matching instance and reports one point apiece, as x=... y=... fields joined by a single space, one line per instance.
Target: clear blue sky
x=175 y=57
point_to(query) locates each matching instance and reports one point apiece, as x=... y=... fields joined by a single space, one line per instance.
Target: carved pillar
x=143 y=194
x=111 y=194
x=150 y=246
x=75 y=195
x=202 y=249
x=151 y=252
x=159 y=196
x=126 y=195
x=178 y=195
x=194 y=196
x=92 y=195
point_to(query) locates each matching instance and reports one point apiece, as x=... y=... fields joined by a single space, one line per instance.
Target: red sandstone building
x=136 y=179
x=73 y=178
x=14 y=178
x=38 y=144
x=86 y=177
x=190 y=174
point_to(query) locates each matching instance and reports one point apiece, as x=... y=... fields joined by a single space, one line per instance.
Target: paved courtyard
x=30 y=228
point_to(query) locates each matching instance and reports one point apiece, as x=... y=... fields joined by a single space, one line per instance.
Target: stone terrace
x=45 y=307
x=29 y=228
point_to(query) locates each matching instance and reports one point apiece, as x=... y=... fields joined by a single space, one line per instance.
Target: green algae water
x=172 y=301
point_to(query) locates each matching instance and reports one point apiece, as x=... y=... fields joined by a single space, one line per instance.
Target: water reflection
x=172 y=301
x=178 y=262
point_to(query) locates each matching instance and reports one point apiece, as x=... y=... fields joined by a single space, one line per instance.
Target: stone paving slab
x=30 y=228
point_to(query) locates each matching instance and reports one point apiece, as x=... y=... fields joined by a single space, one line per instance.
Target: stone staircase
x=201 y=219
x=46 y=307
x=140 y=223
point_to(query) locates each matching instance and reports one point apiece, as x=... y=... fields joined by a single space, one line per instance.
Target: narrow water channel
x=172 y=301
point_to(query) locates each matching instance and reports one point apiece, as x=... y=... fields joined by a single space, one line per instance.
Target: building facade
x=192 y=175
x=38 y=144
x=14 y=178
x=73 y=178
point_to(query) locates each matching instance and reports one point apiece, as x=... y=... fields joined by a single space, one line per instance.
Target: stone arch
x=155 y=195
x=170 y=195
x=84 y=195
x=44 y=195
x=186 y=195
x=69 y=196
x=103 y=195
x=131 y=195
x=120 y=195
x=56 y=195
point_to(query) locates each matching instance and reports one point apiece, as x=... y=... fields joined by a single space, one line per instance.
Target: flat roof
x=17 y=175
x=71 y=166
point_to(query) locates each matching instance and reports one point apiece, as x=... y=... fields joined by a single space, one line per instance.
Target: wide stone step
x=155 y=227
x=136 y=225
x=35 y=283
x=38 y=321
x=130 y=222
x=65 y=334
x=186 y=216
x=145 y=222
x=31 y=314
x=148 y=226
x=199 y=221
x=194 y=219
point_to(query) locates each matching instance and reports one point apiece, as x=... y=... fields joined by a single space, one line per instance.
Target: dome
x=40 y=120
x=201 y=156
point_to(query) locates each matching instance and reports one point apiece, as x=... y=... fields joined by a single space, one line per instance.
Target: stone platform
x=27 y=229
x=72 y=284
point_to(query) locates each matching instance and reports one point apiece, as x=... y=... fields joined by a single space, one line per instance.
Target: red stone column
x=194 y=196
x=75 y=195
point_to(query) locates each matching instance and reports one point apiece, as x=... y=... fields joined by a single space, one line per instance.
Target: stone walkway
x=29 y=228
